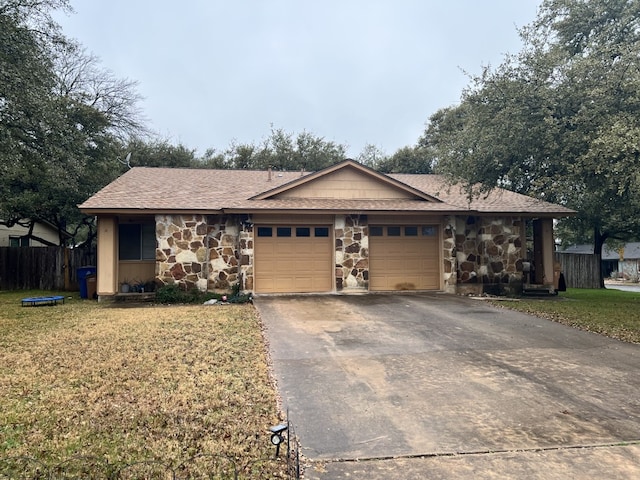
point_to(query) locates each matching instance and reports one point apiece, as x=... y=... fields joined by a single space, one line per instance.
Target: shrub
x=170 y=294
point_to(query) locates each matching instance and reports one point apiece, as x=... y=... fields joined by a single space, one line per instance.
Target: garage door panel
x=409 y=261
x=292 y=264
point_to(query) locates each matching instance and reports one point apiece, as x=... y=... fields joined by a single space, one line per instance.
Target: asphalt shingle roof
x=201 y=190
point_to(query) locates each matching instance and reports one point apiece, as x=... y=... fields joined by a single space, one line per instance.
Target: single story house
x=346 y=228
x=622 y=262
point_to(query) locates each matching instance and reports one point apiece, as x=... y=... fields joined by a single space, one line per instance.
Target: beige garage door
x=293 y=259
x=404 y=257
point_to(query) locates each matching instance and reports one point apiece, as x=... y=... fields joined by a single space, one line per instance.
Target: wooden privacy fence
x=581 y=270
x=43 y=268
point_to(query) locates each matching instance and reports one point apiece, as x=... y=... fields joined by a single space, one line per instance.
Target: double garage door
x=300 y=259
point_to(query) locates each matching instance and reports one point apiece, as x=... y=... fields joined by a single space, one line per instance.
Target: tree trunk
x=598 y=243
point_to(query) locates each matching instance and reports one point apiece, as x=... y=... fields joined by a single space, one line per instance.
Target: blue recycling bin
x=83 y=273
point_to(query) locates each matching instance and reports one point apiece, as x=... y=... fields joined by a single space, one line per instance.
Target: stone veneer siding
x=352 y=252
x=223 y=249
x=246 y=256
x=480 y=254
x=489 y=254
x=449 y=255
x=181 y=254
x=202 y=251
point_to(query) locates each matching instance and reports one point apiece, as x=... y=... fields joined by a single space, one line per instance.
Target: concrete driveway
x=449 y=385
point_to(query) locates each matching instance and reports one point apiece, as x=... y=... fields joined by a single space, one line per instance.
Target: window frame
x=23 y=241
x=145 y=244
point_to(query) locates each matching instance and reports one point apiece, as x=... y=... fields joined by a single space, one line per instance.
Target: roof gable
x=346 y=180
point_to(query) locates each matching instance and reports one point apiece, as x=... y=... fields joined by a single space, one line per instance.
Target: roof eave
x=299 y=211
x=148 y=211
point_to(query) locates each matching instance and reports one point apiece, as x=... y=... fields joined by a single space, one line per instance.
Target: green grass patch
x=614 y=313
x=154 y=383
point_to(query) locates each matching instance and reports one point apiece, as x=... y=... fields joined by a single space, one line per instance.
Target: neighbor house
x=45 y=234
x=346 y=228
x=619 y=262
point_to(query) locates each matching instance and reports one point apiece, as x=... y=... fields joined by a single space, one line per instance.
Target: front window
x=18 y=241
x=137 y=241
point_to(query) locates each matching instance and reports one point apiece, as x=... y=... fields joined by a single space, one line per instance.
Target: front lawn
x=610 y=312
x=125 y=385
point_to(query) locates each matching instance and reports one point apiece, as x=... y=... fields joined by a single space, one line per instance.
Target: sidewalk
x=580 y=463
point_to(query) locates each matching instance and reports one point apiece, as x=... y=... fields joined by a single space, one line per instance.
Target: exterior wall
x=136 y=271
x=206 y=252
x=223 y=256
x=547 y=248
x=479 y=254
x=181 y=254
x=629 y=269
x=39 y=230
x=345 y=183
x=450 y=275
x=107 y=267
x=352 y=252
x=489 y=254
x=246 y=257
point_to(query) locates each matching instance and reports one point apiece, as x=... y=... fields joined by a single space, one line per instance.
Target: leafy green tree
x=28 y=108
x=213 y=159
x=372 y=156
x=560 y=120
x=160 y=153
x=414 y=159
x=280 y=151
x=61 y=119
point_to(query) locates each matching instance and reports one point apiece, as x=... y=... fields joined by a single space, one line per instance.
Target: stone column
x=246 y=257
x=450 y=266
x=352 y=252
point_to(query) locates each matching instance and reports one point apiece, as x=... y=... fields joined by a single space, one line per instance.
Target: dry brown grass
x=132 y=384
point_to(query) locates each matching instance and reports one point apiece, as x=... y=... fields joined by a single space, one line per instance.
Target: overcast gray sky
x=351 y=71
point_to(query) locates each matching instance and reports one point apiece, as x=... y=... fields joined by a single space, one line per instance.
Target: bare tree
x=82 y=79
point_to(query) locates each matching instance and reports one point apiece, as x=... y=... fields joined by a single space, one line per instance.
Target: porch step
x=539 y=290
x=135 y=297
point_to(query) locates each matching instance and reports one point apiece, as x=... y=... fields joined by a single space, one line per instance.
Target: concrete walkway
x=438 y=386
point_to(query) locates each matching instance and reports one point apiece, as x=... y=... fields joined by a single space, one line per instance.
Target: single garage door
x=293 y=259
x=404 y=257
